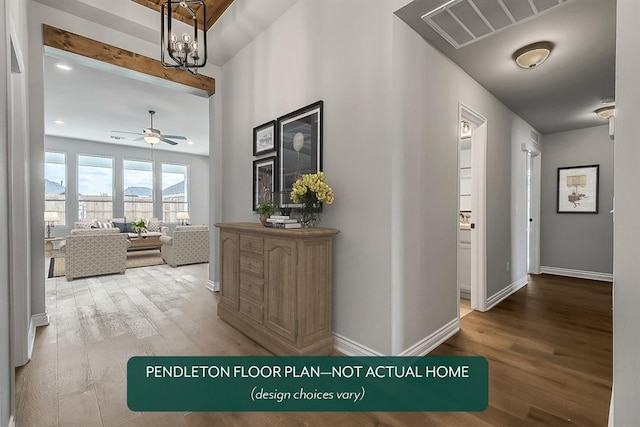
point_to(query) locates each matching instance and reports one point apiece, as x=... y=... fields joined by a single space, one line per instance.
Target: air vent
x=462 y=22
x=535 y=136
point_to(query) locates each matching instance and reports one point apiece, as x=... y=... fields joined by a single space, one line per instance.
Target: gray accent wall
x=198 y=185
x=581 y=242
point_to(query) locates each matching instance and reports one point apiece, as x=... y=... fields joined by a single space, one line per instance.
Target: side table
x=48 y=245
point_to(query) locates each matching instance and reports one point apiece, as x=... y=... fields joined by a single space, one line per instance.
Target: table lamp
x=50 y=218
x=182 y=217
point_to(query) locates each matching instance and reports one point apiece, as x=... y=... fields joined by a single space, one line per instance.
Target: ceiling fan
x=153 y=136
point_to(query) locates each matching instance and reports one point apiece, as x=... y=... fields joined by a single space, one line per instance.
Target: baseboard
x=40 y=319
x=506 y=292
x=12 y=421
x=465 y=294
x=213 y=286
x=427 y=344
x=31 y=338
x=352 y=348
x=579 y=274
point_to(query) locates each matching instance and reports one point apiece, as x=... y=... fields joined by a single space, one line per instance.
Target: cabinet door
x=230 y=269
x=280 y=292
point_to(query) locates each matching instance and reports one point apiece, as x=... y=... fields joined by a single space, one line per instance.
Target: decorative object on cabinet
x=264 y=138
x=50 y=218
x=578 y=189
x=264 y=181
x=265 y=209
x=300 y=146
x=275 y=286
x=311 y=191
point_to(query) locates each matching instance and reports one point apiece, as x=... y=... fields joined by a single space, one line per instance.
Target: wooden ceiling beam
x=79 y=45
x=215 y=9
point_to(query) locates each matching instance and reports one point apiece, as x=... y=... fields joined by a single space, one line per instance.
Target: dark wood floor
x=549 y=349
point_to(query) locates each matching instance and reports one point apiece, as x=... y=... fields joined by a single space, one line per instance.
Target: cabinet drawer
x=252 y=264
x=251 y=309
x=251 y=244
x=251 y=286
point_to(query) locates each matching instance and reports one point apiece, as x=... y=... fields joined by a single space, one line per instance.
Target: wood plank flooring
x=549 y=349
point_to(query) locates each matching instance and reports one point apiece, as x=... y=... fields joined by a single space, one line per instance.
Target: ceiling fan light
x=151 y=139
x=606 y=112
x=532 y=55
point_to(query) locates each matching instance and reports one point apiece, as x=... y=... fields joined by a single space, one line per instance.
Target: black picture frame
x=265 y=138
x=264 y=180
x=578 y=189
x=299 y=148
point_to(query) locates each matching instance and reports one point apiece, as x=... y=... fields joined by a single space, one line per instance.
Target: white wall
x=581 y=242
x=198 y=184
x=626 y=268
x=390 y=152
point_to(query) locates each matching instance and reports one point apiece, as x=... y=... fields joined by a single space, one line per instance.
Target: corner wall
x=579 y=242
x=390 y=152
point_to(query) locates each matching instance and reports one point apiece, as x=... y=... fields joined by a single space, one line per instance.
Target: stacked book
x=282 y=221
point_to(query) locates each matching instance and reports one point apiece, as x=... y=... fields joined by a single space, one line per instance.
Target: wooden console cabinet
x=275 y=286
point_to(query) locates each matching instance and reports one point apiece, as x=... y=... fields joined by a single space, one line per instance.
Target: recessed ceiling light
x=63 y=66
x=58 y=122
x=532 y=55
x=190 y=142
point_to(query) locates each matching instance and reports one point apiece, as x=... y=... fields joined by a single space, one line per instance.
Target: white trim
x=12 y=421
x=427 y=344
x=506 y=292
x=580 y=274
x=213 y=286
x=31 y=340
x=40 y=319
x=352 y=348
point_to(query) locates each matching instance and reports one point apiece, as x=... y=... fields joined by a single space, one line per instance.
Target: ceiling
x=562 y=93
x=93 y=102
x=95 y=98
x=215 y=8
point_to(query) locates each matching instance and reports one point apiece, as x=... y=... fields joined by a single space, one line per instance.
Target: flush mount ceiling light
x=532 y=55
x=606 y=112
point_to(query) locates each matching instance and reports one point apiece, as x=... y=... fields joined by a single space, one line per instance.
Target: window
x=95 y=187
x=138 y=189
x=174 y=191
x=55 y=191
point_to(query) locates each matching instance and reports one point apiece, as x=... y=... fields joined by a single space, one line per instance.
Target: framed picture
x=578 y=189
x=300 y=148
x=264 y=180
x=264 y=138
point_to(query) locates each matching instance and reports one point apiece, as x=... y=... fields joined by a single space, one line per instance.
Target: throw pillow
x=106 y=224
x=122 y=226
x=85 y=224
x=154 y=225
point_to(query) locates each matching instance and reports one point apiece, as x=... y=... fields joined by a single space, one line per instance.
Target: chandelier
x=182 y=52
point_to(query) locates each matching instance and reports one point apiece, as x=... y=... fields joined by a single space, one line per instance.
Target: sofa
x=93 y=252
x=148 y=240
x=188 y=245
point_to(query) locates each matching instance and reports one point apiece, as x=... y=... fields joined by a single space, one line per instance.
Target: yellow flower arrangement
x=310 y=190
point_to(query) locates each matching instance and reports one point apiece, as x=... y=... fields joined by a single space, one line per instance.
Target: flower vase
x=139 y=233
x=309 y=217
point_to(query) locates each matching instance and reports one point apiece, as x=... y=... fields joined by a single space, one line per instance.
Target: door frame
x=533 y=159
x=478 y=206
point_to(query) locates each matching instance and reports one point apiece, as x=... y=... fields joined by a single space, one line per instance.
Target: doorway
x=472 y=147
x=533 y=206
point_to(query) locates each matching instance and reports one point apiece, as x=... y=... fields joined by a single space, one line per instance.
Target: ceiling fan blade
x=132 y=133
x=163 y=139
x=175 y=137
